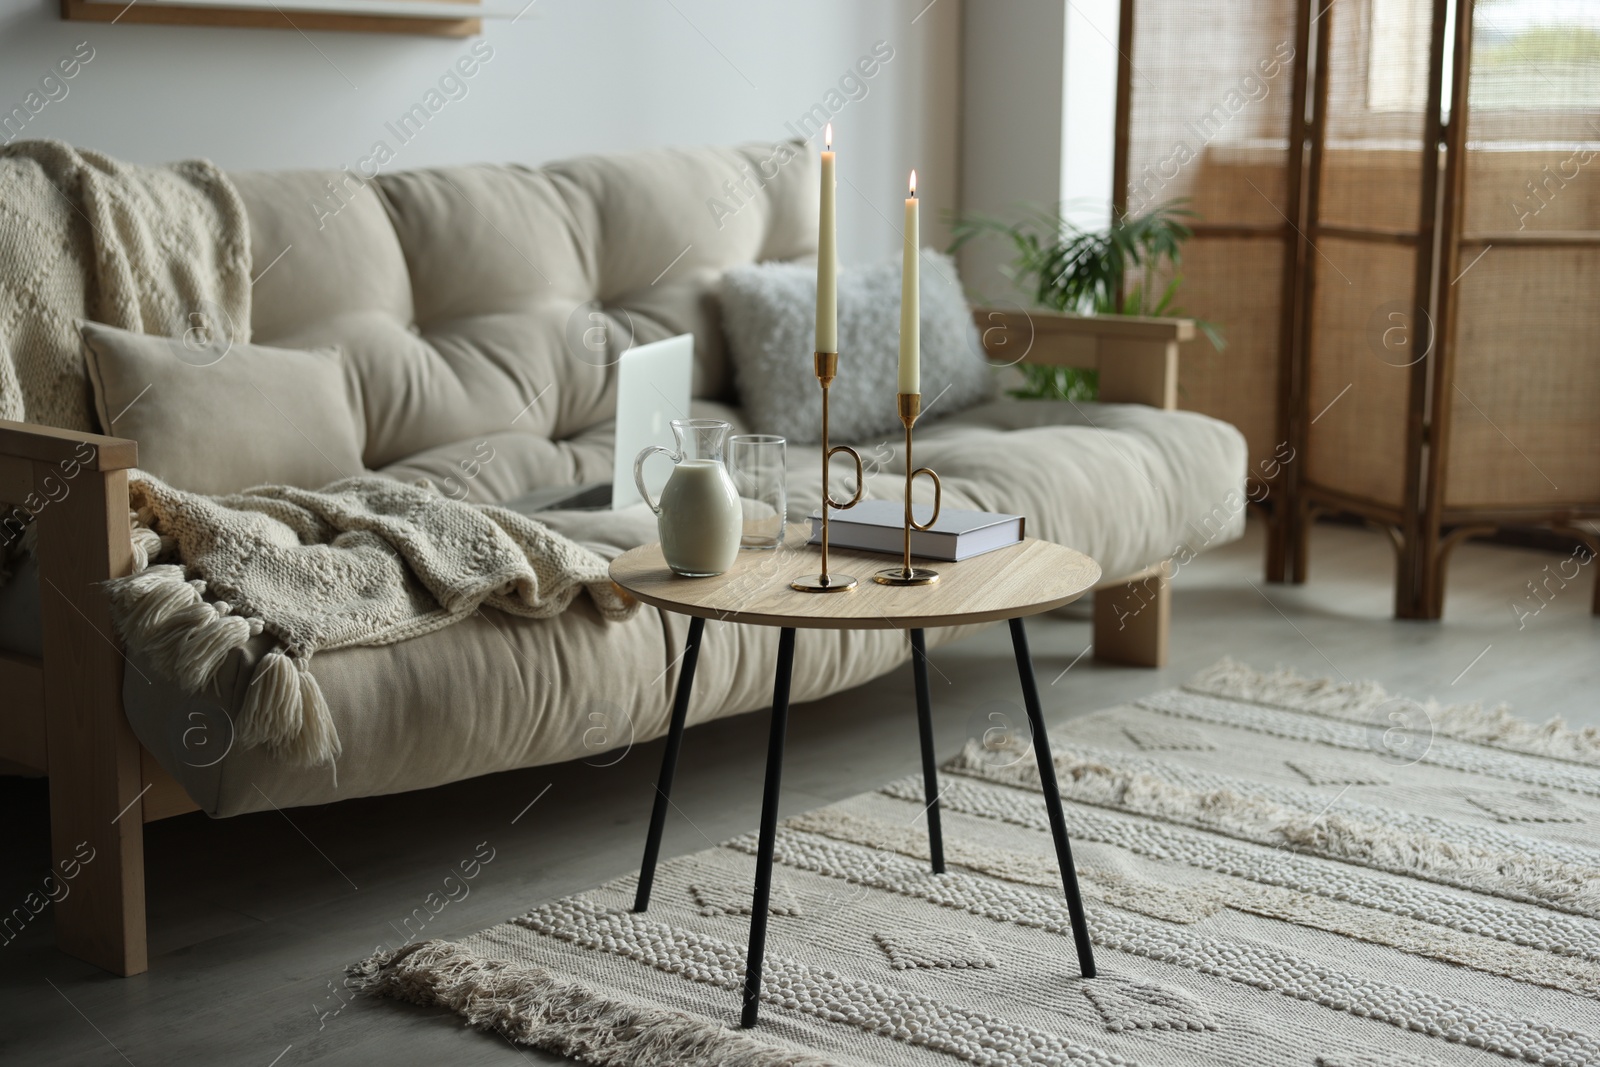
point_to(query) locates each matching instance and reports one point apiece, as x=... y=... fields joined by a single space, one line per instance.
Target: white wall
x=569 y=77
x=1038 y=121
x=1089 y=116
x=1011 y=122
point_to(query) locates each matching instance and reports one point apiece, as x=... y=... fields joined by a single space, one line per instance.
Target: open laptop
x=653 y=383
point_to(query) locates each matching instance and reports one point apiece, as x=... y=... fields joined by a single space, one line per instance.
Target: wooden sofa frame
x=66 y=719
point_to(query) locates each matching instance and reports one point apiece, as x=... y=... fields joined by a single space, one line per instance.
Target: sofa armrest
x=24 y=440
x=38 y=464
x=75 y=487
x=1137 y=357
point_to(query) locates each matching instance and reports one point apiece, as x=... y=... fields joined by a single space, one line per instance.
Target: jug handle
x=638 y=471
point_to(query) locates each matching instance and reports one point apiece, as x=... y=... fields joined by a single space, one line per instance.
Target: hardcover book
x=879 y=526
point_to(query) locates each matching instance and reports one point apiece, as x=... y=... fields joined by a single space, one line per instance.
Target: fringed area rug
x=1278 y=872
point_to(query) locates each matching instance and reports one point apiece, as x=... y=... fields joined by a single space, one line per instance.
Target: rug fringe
x=1495 y=727
x=533 y=1006
x=1521 y=876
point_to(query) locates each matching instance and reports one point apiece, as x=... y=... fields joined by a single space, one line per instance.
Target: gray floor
x=253 y=919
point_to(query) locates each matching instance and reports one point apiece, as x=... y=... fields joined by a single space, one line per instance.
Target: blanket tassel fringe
x=167 y=618
x=284 y=709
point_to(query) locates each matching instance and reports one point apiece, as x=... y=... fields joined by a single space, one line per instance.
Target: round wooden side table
x=1025 y=579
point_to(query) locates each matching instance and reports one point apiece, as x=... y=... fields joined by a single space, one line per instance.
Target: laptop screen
x=653 y=383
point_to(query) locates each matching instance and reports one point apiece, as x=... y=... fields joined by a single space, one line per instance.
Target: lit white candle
x=910 y=302
x=827 y=256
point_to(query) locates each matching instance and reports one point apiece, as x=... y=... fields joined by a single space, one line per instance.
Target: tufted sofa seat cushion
x=485 y=300
x=497 y=468
x=1128 y=484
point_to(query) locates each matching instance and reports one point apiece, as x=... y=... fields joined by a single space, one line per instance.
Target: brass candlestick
x=827 y=367
x=906 y=574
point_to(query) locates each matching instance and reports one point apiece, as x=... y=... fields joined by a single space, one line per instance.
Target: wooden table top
x=1025 y=579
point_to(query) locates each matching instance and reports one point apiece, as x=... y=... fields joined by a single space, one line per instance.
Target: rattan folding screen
x=1205 y=113
x=1398 y=232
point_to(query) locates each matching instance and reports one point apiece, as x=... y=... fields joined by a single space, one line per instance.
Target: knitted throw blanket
x=154 y=249
x=364 y=561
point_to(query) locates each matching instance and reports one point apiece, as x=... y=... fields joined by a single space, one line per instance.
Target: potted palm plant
x=1068 y=269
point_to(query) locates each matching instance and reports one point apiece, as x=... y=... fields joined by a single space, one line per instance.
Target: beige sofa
x=461 y=298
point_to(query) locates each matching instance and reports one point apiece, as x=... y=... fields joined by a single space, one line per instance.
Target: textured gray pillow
x=769 y=317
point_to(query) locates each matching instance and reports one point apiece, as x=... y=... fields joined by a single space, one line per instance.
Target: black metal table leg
x=762 y=897
x=669 y=763
x=930 y=770
x=1052 y=798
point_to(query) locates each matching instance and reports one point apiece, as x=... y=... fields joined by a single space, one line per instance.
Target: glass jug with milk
x=699 y=514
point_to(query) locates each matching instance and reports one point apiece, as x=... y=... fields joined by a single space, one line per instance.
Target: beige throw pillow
x=216 y=419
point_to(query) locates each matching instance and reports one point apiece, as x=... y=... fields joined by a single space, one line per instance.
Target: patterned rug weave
x=1278 y=871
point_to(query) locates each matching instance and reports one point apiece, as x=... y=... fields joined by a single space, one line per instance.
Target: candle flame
x=827 y=137
x=913 y=183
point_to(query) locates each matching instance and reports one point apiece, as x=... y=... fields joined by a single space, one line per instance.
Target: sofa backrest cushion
x=479 y=299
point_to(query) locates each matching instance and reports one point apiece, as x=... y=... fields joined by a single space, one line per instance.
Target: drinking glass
x=756 y=461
